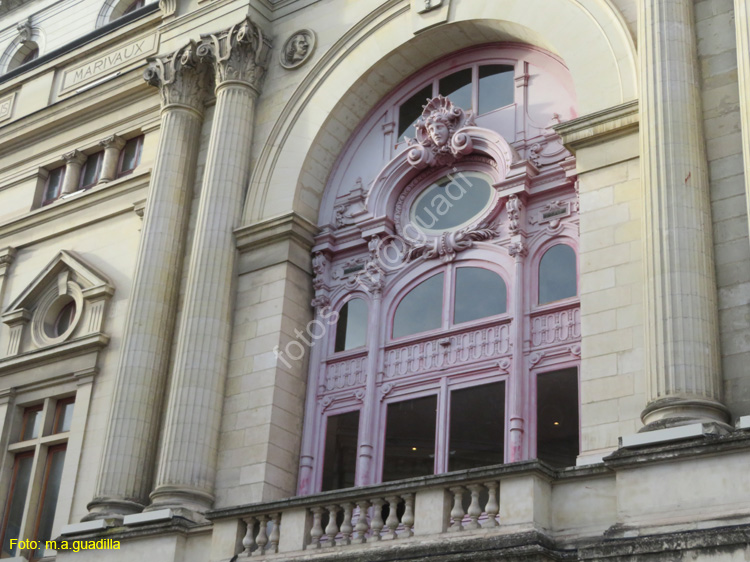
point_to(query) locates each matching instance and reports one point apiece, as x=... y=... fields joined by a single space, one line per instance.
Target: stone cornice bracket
x=7 y=257
x=24 y=31
x=180 y=77
x=238 y=54
x=168 y=7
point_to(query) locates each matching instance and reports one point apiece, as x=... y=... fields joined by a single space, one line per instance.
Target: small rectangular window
x=410 y=111
x=340 y=457
x=54 y=185
x=410 y=438
x=457 y=87
x=32 y=419
x=63 y=415
x=557 y=417
x=496 y=86
x=477 y=427
x=19 y=486
x=91 y=170
x=130 y=156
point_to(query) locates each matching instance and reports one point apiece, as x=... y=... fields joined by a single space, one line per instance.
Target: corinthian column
x=126 y=473
x=681 y=333
x=187 y=463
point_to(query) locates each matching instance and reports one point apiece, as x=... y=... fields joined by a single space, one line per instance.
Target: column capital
x=74 y=157
x=238 y=54
x=180 y=77
x=113 y=141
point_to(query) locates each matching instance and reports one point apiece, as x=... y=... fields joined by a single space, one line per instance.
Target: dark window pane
x=557 y=274
x=472 y=282
x=457 y=87
x=451 y=201
x=131 y=156
x=557 y=417
x=52 y=478
x=496 y=86
x=421 y=309
x=64 y=416
x=90 y=171
x=133 y=7
x=65 y=318
x=340 y=457
x=32 y=55
x=351 y=329
x=32 y=418
x=14 y=511
x=410 y=111
x=477 y=426
x=54 y=183
x=410 y=439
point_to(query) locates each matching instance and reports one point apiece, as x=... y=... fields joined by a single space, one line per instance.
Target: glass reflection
x=410 y=438
x=496 y=86
x=472 y=282
x=457 y=87
x=557 y=274
x=421 y=309
x=452 y=201
x=351 y=329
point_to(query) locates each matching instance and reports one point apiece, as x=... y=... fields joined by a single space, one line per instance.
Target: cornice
x=52 y=354
x=290 y=226
x=599 y=127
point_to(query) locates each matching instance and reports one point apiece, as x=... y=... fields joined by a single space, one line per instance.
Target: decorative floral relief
x=448 y=244
x=180 y=77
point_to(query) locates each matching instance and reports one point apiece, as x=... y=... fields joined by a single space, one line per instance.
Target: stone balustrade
x=474 y=503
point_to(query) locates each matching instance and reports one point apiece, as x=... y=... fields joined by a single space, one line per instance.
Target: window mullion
x=441 y=446
x=449 y=295
x=32 y=495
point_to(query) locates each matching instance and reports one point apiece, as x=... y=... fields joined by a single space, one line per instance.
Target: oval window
x=351 y=328
x=479 y=293
x=62 y=320
x=557 y=274
x=421 y=309
x=451 y=202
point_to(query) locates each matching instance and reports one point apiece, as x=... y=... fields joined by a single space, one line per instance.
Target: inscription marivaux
x=107 y=63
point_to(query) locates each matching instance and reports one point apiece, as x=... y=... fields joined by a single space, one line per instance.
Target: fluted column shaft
x=74 y=160
x=187 y=462
x=742 y=27
x=681 y=329
x=113 y=145
x=126 y=473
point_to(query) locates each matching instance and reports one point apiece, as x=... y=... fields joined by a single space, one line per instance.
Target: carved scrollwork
x=441 y=139
x=372 y=278
x=239 y=53
x=448 y=244
x=180 y=77
x=514 y=207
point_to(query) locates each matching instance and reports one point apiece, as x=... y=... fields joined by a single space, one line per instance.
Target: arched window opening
x=115 y=9
x=480 y=293
x=26 y=53
x=351 y=328
x=557 y=274
x=421 y=309
x=133 y=6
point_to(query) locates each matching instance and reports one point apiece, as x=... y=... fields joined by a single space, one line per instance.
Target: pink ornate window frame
x=534 y=207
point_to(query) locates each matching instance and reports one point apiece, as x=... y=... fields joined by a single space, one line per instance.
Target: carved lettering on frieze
x=6 y=106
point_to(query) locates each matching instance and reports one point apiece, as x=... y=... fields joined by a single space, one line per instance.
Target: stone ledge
x=667 y=435
x=281 y=228
x=53 y=353
x=598 y=127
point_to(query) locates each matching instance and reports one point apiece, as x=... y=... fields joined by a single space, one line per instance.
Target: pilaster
x=126 y=472
x=187 y=463
x=681 y=332
x=73 y=162
x=112 y=147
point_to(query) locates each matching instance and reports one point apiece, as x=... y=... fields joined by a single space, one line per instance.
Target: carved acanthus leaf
x=239 y=53
x=180 y=77
x=514 y=207
x=448 y=244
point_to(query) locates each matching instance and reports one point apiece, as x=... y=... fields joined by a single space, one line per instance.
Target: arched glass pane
x=479 y=293
x=351 y=329
x=452 y=201
x=410 y=111
x=421 y=309
x=496 y=86
x=457 y=87
x=557 y=274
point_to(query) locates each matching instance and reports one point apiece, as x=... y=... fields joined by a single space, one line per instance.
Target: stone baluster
x=187 y=463
x=362 y=526
x=249 y=540
x=113 y=145
x=457 y=513
x=408 y=518
x=475 y=511
x=128 y=457
x=376 y=523
x=275 y=536
x=74 y=160
x=493 y=506
x=392 y=520
x=262 y=538
x=346 y=525
x=332 y=529
x=682 y=362
x=317 y=527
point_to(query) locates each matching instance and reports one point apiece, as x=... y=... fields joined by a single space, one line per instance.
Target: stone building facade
x=374 y=280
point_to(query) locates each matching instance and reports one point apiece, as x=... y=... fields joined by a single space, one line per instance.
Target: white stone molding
x=682 y=361
x=24 y=31
x=298 y=49
x=67 y=278
x=74 y=160
x=238 y=54
x=113 y=145
x=180 y=77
